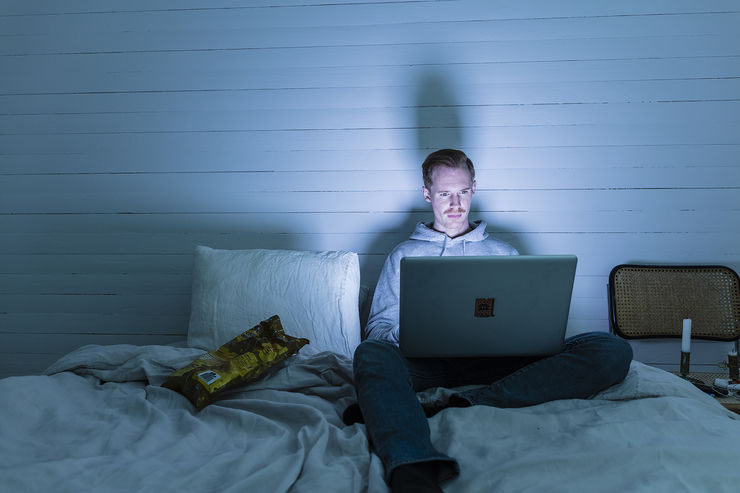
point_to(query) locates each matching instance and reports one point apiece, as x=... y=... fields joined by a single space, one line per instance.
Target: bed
x=99 y=419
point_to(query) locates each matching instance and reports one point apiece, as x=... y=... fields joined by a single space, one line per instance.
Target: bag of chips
x=241 y=360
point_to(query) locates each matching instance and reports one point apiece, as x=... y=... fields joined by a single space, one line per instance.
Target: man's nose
x=455 y=200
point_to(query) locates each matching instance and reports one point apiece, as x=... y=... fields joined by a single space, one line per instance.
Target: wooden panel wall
x=132 y=131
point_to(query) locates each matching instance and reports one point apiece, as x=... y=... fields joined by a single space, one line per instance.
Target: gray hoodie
x=424 y=241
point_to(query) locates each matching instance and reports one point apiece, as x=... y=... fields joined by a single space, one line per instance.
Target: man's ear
x=427 y=194
x=472 y=189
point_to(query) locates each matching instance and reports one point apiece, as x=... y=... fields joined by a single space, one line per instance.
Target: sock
x=420 y=477
x=457 y=401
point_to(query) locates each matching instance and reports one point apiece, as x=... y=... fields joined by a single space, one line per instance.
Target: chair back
x=651 y=301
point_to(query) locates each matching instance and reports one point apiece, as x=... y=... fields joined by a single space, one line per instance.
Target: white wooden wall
x=131 y=131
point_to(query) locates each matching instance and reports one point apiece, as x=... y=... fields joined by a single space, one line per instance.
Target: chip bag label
x=241 y=360
x=208 y=377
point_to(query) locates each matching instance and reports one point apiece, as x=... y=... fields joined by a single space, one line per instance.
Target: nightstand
x=731 y=403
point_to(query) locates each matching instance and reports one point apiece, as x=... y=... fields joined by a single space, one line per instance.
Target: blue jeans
x=387 y=382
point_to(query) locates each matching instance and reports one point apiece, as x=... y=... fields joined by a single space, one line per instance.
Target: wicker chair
x=650 y=301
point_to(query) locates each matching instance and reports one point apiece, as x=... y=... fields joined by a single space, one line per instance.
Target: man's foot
x=454 y=401
x=352 y=415
x=420 y=477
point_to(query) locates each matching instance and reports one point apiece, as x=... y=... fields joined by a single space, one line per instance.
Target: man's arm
x=383 y=320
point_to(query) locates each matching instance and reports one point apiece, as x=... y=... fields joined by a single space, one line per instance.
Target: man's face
x=450 y=195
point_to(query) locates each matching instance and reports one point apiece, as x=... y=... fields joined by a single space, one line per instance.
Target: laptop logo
x=484 y=307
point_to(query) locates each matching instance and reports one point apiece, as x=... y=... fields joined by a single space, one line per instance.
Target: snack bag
x=241 y=360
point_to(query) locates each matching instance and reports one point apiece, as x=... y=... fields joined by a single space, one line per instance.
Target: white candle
x=686 y=336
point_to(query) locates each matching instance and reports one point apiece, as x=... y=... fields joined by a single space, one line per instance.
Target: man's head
x=449 y=185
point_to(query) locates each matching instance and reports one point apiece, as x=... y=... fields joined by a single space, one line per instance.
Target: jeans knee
x=609 y=353
x=374 y=355
x=373 y=348
x=623 y=354
x=616 y=354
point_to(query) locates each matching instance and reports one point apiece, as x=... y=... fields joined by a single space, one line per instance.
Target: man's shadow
x=438 y=125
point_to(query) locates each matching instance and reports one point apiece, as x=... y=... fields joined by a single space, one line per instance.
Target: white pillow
x=315 y=294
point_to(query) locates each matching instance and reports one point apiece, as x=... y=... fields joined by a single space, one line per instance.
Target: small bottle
x=732 y=364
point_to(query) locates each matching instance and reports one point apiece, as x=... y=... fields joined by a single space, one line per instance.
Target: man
x=387 y=382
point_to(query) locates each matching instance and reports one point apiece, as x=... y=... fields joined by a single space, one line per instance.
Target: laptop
x=485 y=306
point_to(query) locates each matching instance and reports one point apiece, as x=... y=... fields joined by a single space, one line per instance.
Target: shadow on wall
x=438 y=123
x=437 y=115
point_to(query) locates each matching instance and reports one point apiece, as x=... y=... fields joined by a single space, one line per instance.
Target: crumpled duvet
x=100 y=422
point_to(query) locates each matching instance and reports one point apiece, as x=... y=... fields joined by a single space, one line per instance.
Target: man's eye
x=444 y=194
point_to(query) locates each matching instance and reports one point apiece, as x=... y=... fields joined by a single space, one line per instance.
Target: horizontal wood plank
x=195 y=158
x=60 y=344
x=488 y=179
x=98 y=230
x=132 y=201
x=95 y=323
x=20 y=364
x=596 y=251
x=296 y=13
x=152 y=121
x=180 y=30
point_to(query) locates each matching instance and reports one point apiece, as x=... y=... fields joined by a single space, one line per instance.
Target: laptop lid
x=485 y=306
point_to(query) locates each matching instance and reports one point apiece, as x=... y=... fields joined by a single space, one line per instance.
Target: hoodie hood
x=424 y=232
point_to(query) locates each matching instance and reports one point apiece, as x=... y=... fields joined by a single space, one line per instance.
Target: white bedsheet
x=101 y=422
